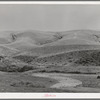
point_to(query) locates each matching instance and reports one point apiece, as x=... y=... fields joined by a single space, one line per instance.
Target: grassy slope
x=71 y=56
x=47 y=50
x=84 y=61
x=49 y=42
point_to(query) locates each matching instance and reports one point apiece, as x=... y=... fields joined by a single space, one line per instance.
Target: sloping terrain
x=71 y=56
x=55 y=51
x=65 y=49
x=52 y=42
x=83 y=61
x=42 y=42
x=79 y=61
x=52 y=50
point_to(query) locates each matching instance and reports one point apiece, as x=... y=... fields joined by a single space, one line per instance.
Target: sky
x=49 y=17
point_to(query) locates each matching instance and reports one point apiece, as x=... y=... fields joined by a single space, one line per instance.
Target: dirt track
x=63 y=81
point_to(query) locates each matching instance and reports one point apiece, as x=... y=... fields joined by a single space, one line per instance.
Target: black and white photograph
x=50 y=48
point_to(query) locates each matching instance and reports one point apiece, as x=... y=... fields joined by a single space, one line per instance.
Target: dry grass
x=28 y=84
x=20 y=82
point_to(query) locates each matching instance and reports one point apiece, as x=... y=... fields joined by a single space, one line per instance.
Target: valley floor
x=86 y=83
x=20 y=82
x=49 y=82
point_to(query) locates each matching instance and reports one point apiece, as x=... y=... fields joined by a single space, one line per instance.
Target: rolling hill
x=79 y=62
x=70 y=48
x=42 y=42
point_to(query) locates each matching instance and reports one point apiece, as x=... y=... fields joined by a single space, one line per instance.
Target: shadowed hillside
x=80 y=61
x=82 y=57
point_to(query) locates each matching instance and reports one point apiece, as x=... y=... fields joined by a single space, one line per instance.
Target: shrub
x=10 y=65
x=98 y=77
x=87 y=61
x=26 y=68
x=16 y=68
x=25 y=58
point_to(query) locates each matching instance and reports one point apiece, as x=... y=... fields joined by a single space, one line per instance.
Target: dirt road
x=63 y=81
